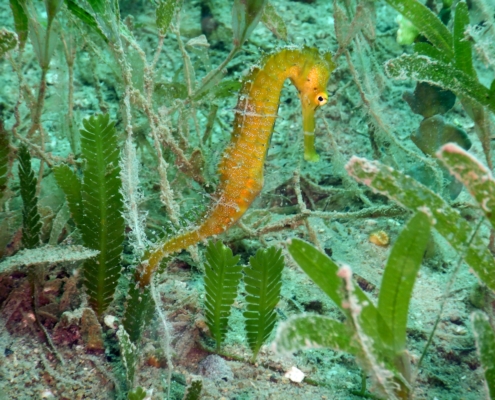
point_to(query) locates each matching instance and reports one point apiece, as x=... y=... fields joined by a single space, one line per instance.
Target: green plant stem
x=363 y=382
x=131 y=94
x=167 y=335
x=188 y=73
x=363 y=392
x=159 y=130
x=40 y=102
x=159 y=49
x=36 y=275
x=210 y=122
x=293 y=221
x=217 y=71
x=482 y=127
x=70 y=111
x=24 y=88
x=70 y=54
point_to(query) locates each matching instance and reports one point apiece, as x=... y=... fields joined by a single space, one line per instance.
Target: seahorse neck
x=259 y=97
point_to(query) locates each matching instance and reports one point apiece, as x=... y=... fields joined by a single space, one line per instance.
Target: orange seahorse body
x=241 y=167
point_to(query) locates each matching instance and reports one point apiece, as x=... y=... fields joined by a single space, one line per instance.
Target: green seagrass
x=96 y=207
x=4 y=159
x=375 y=335
x=263 y=280
x=31 y=220
x=103 y=225
x=485 y=342
x=222 y=277
x=412 y=195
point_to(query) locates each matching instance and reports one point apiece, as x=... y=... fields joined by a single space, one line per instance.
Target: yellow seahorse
x=241 y=166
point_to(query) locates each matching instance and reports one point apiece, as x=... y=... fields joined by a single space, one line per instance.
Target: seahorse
x=241 y=166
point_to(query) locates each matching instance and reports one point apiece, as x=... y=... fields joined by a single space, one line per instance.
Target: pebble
x=295 y=375
x=110 y=321
x=216 y=368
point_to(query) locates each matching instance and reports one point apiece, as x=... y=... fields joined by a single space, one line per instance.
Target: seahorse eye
x=321 y=99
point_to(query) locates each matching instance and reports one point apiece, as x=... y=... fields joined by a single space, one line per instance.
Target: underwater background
x=354 y=259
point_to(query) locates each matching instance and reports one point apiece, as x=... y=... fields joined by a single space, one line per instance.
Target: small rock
x=216 y=368
x=295 y=375
x=47 y=394
x=110 y=321
x=455 y=319
x=67 y=332
x=91 y=331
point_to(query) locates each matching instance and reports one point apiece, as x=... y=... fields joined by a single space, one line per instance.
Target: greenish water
x=82 y=205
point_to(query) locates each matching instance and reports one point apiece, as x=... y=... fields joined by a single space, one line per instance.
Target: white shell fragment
x=295 y=375
x=47 y=394
x=110 y=321
x=199 y=41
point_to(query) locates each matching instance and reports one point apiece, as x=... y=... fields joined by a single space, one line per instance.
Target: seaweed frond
x=71 y=186
x=46 y=254
x=411 y=194
x=263 y=281
x=138 y=310
x=4 y=159
x=31 y=220
x=129 y=354
x=222 y=277
x=485 y=342
x=102 y=224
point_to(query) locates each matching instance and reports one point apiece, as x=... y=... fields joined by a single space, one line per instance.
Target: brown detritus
x=91 y=331
x=49 y=315
x=48 y=379
x=186 y=347
x=7 y=284
x=155 y=361
x=17 y=310
x=70 y=299
x=298 y=219
x=380 y=238
x=198 y=163
x=364 y=284
x=191 y=353
x=297 y=188
x=313 y=237
x=314 y=306
x=200 y=324
x=319 y=191
x=67 y=332
x=50 y=292
x=15 y=244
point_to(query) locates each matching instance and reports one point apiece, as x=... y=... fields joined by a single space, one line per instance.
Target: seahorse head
x=311 y=82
